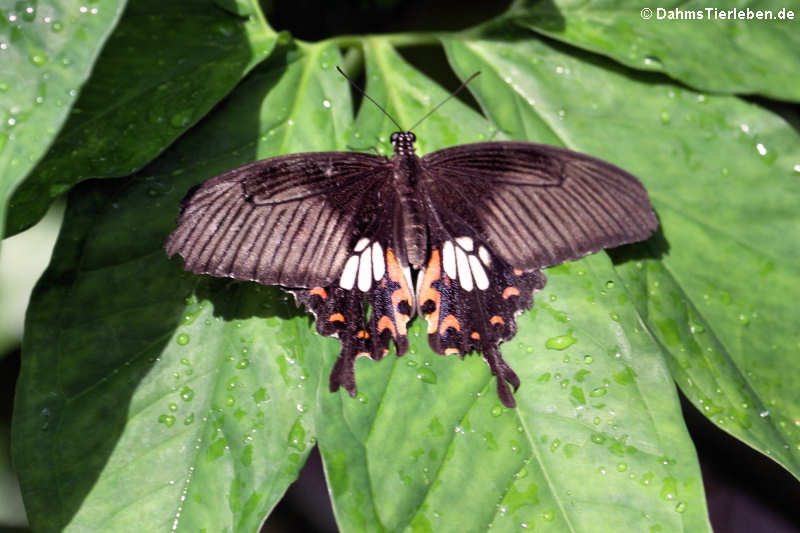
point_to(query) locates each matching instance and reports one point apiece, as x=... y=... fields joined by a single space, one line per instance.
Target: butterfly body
x=479 y=222
x=408 y=175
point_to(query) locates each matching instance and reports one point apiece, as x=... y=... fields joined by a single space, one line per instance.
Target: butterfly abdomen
x=410 y=214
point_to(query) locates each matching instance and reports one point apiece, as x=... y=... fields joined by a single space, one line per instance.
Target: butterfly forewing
x=538 y=205
x=290 y=220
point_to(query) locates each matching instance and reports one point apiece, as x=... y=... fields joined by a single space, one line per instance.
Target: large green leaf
x=162 y=70
x=155 y=396
x=596 y=433
x=47 y=50
x=597 y=402
x=151 y=399
x=721 y=174
x=714 y=48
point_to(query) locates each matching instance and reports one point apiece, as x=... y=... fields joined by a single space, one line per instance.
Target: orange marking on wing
x=509 y=292
x=497 y=319
x=451 y=351
x=449 y=321
x=426 y=292
x=518 y=272
x=336 y=317
x=475 y=335
x=319 y=291
x=362 y=334
x=386 y=323
x=396 y=274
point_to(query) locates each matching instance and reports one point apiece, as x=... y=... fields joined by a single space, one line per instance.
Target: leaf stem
x=394 y=39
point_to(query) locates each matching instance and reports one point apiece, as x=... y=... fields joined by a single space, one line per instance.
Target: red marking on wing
x=319 y=291
x=508 y=292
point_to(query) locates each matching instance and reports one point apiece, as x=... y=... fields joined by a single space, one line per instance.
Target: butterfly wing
x=498 y=214
x=539 y=205
x=470 y=298
x=319 y=224
x=289 y=220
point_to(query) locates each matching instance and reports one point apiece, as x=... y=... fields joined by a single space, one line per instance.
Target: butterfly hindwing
x=470 y=299
x=378 y=280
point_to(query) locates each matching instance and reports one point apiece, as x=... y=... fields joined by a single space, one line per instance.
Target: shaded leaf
x=162 y=70
x=722 y=49
x=46 y=54
x=152 y=399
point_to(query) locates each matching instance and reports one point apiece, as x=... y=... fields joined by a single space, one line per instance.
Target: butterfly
x=342 y=231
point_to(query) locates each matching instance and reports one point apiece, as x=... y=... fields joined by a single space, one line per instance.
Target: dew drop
x=587 y=359
x=561 y=342
x=187 y=394
x=665 y=117
x=426 y=375
x=57 y=27
x=38 y=59
x=599 y=391
x=326 y=103
x=181 y=119
x=297 y=436
x=362 y=398
x=680 y=507
x=182 y=339
x=621 y=467
x=167 y=420
x=243 y=363
x=497 y=411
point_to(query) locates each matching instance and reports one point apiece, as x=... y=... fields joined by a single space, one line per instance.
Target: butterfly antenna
x=368 y=97
x=432 y=111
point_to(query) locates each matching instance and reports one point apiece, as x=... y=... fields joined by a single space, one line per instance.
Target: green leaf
x=150 y=398
x=704 y=46
x=721 y=174
x=598 y=421
x=46 y=53
x=162 y=70
x=597 y=441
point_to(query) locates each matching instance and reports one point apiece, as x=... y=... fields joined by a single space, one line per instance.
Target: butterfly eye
x=411 y=137
x=395 y=136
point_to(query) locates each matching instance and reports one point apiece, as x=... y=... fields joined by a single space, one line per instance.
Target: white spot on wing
x=449 y=259
x=348 y=278
x=365 y=271
x=407 y=274
x=463 y=270
x=485 y=257
x=465 y=243
x=361 y=244
x=481 y=281
x=378 y=264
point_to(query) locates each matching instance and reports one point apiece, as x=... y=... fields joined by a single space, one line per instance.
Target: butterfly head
x=403 y=142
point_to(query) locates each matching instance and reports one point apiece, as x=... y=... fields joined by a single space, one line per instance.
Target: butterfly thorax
x=409 y=212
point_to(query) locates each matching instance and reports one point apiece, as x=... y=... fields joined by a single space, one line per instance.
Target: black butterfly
x=340 y=230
